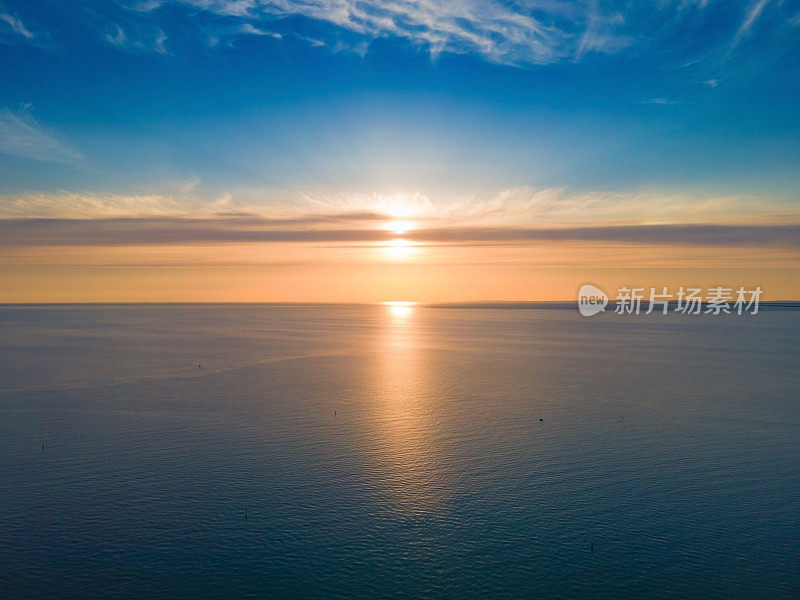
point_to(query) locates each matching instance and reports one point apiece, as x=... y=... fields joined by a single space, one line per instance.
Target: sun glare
x=400 y=308
x=399 y=207
x=399 y=249
x=399 y=227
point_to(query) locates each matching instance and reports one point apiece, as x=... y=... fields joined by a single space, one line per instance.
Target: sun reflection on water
x=400 y=309
x=405 y=437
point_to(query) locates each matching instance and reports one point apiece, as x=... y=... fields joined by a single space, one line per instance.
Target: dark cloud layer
x=244 y=229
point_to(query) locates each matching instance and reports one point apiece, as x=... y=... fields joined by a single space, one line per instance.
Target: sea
x=397 y=451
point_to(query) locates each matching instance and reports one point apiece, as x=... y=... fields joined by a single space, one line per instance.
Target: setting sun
x=399 y=227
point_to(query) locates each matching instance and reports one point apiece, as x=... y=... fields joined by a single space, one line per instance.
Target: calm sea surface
x=363 y=452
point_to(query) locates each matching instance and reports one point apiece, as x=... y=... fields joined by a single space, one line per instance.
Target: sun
x=401 y=214
x=402 y=211
x=399 y=227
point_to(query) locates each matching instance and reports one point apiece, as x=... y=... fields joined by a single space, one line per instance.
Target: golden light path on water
x=400 y=309
x=405 y=440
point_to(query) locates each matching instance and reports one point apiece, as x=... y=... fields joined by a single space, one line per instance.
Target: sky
x=377 y=150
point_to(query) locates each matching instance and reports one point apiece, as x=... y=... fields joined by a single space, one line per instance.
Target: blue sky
x=248 y=100
x=371 y=150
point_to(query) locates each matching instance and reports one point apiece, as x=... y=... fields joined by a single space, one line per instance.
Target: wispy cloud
x=98 y=205
x=510 y=33
x=751 y=16
x=494 y=30
x=513 y=207
x=152 y=41
x=662 y=101
x=536 y=32
x=524 y=206
x=22 y=135
x=599 y=32
x=684 y=4
x=16 y=25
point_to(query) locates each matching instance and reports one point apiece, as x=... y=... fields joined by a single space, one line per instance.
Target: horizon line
x=487 y=304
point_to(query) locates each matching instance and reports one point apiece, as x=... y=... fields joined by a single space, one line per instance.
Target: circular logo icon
x=591 y=300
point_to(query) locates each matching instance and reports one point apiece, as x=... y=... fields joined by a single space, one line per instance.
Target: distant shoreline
x=572 y=305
